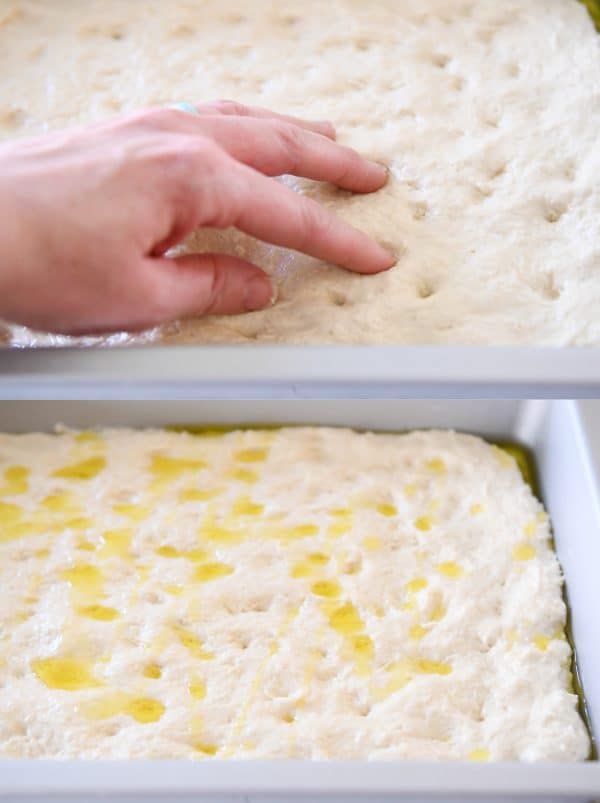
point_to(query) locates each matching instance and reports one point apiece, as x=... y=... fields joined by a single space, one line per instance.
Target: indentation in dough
x=497 y=169
x=12 y=117
x=363 y=44
x=289 y=20
x=481 y=191
x=486 y=34
x=458 y=83
x=426 y=288
x=182 y=29
x=338 y=299
x=235 y=18
x=547 y=287
x=14 y=14
x=513 y=69
x=420 y=210
x=441 y=60
x=554 y=209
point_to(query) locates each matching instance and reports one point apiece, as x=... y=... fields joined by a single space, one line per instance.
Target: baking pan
x=563 y=437
x=264 y=372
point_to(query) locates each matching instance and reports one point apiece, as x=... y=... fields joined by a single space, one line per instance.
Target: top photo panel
x=414 y=173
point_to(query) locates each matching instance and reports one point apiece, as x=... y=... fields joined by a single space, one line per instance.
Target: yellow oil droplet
x=362 y=653
x=63 y=502
x=346 y=619
x=170 y=468
x=221 y=535
x=310 y=565
x=326 y=588
x=417 y=584
x=99 y=612
x=88 y=436
x=191 y=642
x=511 y=636
x=152 y=671
x=16 y=481
x=84 y=470
x=9 y=513
x=436 y=465
x=199 y=494
x=450 y=569
x=481 y=754
x=372 y=543
x=288 y=718
x=79 y=523
x=541 y=516
x=340 y=527
x=386 y=509
x=244 y=506
x=197 y=689
x=301 y=531
x=256 y=455
x=244 y=475
x=174 y=590
x=409 y=490
x=417 y=631
x=116 y=543
x=402 y=672
x=193 y=555
x=211 y=571
x=438 y=612
x=476 y=509
x=167 y=551
x=524 y=552
x=503 y=457
x=541 y=642
x=133 y=512
x=144 y=709
x=207 y=749
x=426 y=667
x=301 y=569
x=340 y=512
x=423 y=523
x=530 y=528
x=16 y=530
x=85 y=578
x=64 y=673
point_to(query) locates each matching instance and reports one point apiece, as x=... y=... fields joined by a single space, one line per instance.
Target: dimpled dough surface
x=306 y=593
x=487 y=114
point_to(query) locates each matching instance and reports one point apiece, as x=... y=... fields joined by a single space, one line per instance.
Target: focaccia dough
x=487 y=113
x=300 y=593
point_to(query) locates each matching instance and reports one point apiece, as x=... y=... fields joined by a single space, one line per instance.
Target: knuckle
x=314 y=222
x=292 y=141
x=231 y=107
x=156 y=118
x=216 y=281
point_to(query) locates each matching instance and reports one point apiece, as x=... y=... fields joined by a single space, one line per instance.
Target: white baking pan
x=565 y=440
x=264 y=372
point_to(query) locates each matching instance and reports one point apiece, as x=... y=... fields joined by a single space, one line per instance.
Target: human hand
x=89 y=214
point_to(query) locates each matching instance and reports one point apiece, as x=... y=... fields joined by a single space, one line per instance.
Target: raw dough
x=487 y=113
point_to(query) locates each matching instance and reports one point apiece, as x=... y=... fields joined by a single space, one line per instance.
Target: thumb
x=208 y=284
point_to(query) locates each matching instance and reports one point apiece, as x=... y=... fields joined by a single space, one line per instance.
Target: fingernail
x=383 y=169
x=259 y=293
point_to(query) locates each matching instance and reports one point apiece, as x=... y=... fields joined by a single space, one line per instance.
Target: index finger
x=272 y=212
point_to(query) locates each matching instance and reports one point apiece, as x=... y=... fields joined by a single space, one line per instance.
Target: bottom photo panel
x=283 y=600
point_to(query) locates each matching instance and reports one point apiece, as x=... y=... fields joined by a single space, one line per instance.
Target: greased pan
x=564 y=438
